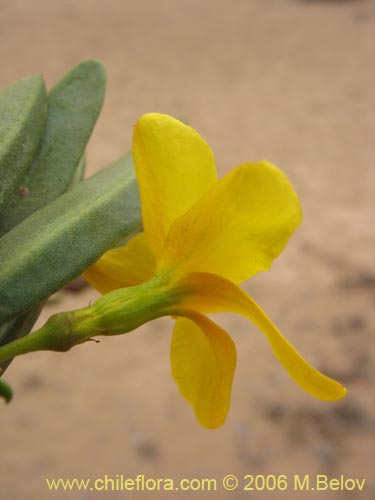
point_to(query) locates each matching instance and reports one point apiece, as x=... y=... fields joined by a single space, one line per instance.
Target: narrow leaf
x=74 y=105
x=56 y=243
x=23 y=115
x=22 y=325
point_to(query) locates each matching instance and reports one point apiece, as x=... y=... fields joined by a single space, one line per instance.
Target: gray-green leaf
x=74 y=105
x=23 y=115
x=56 y=243
x=22 y=325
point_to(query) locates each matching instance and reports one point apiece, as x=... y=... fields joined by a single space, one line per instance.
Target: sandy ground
x=290 y=81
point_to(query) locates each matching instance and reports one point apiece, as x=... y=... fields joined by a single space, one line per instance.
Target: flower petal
x=203 y=359
x=240 y=225
x=129 y=265
x=208 y=293
x=174 y=168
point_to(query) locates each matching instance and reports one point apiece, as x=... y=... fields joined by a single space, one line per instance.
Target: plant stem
x=117 y=312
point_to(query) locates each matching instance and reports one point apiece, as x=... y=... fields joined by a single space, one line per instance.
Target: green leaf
x=59 y=241
x=22 y=325
x=73 y=108
x=23 y=115
x=5 y=391
x=79 y=173
x=74 y=105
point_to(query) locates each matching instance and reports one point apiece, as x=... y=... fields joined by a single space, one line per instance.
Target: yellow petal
x=129 y=265
x=240 y=225
x=174 y=168
x=203 y=359
x=208 y=293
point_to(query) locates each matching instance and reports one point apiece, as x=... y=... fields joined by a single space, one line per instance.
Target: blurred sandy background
x=286 y=80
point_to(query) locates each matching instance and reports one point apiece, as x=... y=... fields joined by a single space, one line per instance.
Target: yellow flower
x=202 y=236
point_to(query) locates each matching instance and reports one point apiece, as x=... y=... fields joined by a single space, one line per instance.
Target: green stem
x=55 y=335
x=115 y=313
x=20 y=346
x=17 y=328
